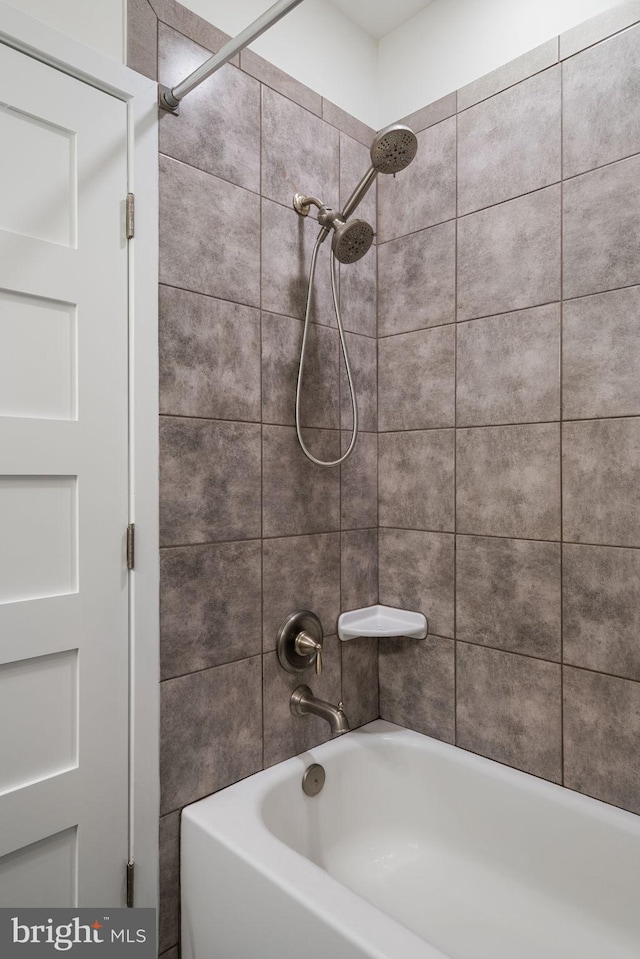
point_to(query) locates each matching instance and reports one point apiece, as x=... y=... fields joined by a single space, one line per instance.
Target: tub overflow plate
x=313 y=779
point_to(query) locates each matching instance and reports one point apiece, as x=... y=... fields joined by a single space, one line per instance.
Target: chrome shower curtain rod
x=170 y=98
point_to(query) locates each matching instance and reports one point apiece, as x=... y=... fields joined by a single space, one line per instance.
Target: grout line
x=593 y=43
x=205 y=669
x=423 y=229
x=601 y=166
x=283 y=426
x=214 y=176
x=518 y=539
x=510 y=199
x=545 y=659
x=510 y=86
x=508 y=425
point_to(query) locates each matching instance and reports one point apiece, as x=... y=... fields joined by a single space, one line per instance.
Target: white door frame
x=140 y=94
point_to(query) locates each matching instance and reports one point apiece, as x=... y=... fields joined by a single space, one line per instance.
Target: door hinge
x=131 y=215
x=131 y=546
x=130 y=880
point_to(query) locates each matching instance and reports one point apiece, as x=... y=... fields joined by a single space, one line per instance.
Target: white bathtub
x=413 y=850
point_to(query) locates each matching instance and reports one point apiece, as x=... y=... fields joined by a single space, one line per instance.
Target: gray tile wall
x=509 y=415
x=250 y=529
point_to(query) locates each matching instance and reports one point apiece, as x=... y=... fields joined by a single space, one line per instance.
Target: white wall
x=314 y=43
x=453 y=42
x=96 y=23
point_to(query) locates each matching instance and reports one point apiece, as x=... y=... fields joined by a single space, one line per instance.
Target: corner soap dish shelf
x=382 y=621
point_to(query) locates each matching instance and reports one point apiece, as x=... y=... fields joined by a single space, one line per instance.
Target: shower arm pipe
x=170 y=99
x=358 y=194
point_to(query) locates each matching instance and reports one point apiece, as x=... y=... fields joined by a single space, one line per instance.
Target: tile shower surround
x=250 y=530
x=509 y=414
x=509 y=304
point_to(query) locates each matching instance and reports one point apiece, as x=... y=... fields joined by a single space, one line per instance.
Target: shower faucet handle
x=306 y=645
x=299 y=643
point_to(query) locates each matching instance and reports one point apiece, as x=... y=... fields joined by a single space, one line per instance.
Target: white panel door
x=63 y=489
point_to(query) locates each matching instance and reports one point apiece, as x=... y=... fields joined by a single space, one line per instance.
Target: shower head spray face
x=393 y=149
x=351 y=240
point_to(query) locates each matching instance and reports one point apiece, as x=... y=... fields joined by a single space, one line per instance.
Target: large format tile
x=601 y=493
x=417 y=280
x=210 y=600
x=286 y=735
x=360 y=680
x=298 y=496
x=359 y=482
x=509 y=709
x=346 y=123
x=424 y=193
x=209 y=234
x=299 y=152
x=600 y=27
x=209 y=357
x=601 y=602
x=363 y=361
x=510 y=144
x=510 y=73
x=300 y=572
x=601 y=732
x=358 y=294
x=218 y=129
x=416 y=376
x=417 y=479
x=209 y=481
x=508 y=595
x=417 y=572
x=142 y=38
x=508 y=481
x=509 y=255
x=433 y=113
x=417 y=685
x=601 y=229
x=280 y=81
x=281 y=342
x=601 y=355
x=185 y=21
x=169 y=912
x=210 y=731
x=359 y=568
x=601 y=90
x=508 y=368
x=287 y=244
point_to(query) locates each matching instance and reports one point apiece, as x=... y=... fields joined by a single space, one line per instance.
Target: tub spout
x=304 y=702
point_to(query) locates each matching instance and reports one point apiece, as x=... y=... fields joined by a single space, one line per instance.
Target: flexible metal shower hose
x=354 y=405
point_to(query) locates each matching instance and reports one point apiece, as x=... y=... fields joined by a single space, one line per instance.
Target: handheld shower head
x=352 y=240
x=392 y=150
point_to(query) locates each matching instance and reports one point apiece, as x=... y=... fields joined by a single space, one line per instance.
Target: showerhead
x=393 y=148
x=352 y=240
